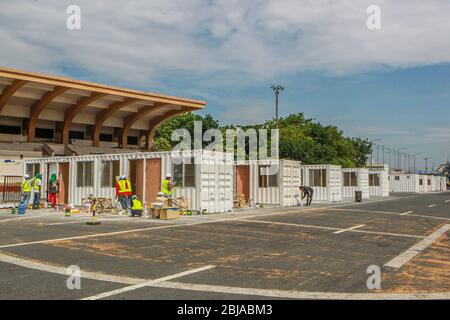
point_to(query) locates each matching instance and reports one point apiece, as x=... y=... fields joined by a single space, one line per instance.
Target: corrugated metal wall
x=333 y=190
x=289 y=180
x=362 y=176
x=213 y=176
x=383 y=189
x=401 y=182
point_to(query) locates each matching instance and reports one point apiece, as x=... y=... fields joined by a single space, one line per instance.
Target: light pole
x=277 y=89
x=415 y=155
x=426 y=163
x=399 y=160
x=371 y=154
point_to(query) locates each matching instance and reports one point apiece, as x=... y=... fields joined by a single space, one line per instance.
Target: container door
x=152 y=179
x=63 y=177
x=243 y=181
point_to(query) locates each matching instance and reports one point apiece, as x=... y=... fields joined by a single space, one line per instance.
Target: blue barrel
x=22 y=208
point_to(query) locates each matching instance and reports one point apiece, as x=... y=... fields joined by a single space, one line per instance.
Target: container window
x=266 y=180
x=420 y=182
x=10 y=129
x=85 y=174
x=32 y=168
x=184 y=173
x=429 y=182
x=350 y=179
x=110 y=170
x=397 y=178
x=318 y=178
x=374 y=180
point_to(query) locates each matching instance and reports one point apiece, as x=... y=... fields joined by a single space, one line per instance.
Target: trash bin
x=358 y=196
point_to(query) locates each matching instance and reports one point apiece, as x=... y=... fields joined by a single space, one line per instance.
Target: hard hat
x=117 y=178
x=123 y=177
x=134 y=197
x=160 y=194
x=168 y=175
x=26 y=176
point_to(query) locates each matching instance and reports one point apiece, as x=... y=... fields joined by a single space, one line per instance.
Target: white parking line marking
x=146 y=283
x=431 y=206
x=409 y=254
x=29 y=264
x=396 y=213
x=350 y=229
x=447 y=201
x=406 y=213
x=334 y=229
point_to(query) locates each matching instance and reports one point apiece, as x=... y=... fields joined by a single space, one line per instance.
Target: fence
x=10 y=189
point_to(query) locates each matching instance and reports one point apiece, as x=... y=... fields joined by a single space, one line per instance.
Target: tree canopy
x=301 y=139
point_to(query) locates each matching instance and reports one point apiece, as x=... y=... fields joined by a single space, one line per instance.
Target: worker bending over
x=307 y=192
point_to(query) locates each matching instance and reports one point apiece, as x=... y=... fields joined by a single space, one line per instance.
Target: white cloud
x=146 y=41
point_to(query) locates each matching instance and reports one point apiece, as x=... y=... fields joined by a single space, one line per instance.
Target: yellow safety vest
x=26 y=185
x=137 y=205
x=122 y=186
x=36 y=186
x=128 y=186
x=165 y=187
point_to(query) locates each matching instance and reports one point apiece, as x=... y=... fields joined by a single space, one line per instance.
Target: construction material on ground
x=170 y=213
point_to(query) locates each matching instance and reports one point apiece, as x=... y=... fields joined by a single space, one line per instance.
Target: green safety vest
x=26 y=185
x=137 y=205
x=165 y=188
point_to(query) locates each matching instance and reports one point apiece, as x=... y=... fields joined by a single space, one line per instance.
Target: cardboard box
x=169 y=214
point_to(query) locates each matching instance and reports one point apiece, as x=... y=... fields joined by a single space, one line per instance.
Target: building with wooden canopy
x=53 y=115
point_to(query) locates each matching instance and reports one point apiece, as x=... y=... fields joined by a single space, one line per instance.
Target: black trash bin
x=358 y=196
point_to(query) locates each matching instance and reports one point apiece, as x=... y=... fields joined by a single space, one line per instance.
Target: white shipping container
x=326 y=180
x=203 y=177
x=268 y=182
x=379 y=181
x=355 y=179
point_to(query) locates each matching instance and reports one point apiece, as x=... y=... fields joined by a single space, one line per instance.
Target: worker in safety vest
x=128 y=191
x=120 y=189
x=26 y=189
x=136 y=207
x=167 y=186
x=37 y=187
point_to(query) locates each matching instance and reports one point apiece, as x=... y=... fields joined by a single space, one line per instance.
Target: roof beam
x=154 y=124
x=103 y=115
x=9 y=92
x=131 y=119
x=70 y=113
x=40 y=105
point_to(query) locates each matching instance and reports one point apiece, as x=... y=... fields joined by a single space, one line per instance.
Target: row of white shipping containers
x=203 y=177
x=326 y=180
x=379 y=181
x=268 y=182
x=416 y=183
x=355 y=179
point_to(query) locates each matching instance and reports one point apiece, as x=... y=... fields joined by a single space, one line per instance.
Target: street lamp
x=399 y=160
x=371 y=154
x=277 y=89
x=426 y=163
x=415 y=155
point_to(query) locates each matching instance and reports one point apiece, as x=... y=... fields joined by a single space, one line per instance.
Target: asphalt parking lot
x=288 y=253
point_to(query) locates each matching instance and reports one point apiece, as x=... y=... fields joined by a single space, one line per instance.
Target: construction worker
x=307 y=192
x=136 y=207
x=120 y=187
x=167 y=186
x=37 y=186
x=128 y=191
x=26 y=189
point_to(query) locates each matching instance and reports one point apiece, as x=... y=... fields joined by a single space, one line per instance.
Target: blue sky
x=390 y=84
